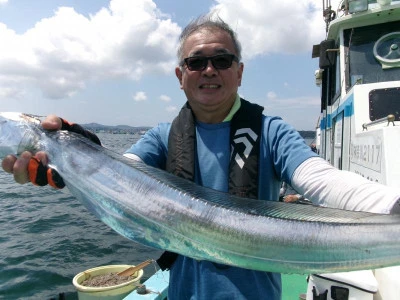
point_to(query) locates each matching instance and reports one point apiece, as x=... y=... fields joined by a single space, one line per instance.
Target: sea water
x=47 y=237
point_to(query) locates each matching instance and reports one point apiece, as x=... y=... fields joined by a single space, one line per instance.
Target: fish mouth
x=18 y=117
x=13 y=116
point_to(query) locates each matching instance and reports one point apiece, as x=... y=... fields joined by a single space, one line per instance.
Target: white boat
x=359 y=128
x=359 y=125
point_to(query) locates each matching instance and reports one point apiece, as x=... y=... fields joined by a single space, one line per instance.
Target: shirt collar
x=234 y=109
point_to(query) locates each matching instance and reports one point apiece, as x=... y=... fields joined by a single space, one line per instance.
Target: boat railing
x=389 y=119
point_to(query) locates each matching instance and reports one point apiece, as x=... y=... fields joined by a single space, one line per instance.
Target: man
x=288 y=197
x=224 y=142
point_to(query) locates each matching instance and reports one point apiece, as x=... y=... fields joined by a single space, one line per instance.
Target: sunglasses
x=219 y=62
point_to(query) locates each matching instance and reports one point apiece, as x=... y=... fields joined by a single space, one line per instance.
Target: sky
x=113 y=62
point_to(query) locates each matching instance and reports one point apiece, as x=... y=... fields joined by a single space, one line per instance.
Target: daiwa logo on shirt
x=247 y=138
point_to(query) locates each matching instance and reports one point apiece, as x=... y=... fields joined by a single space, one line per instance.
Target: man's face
x=210 y=90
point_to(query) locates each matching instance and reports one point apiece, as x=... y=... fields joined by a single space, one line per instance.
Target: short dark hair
x=208 y=21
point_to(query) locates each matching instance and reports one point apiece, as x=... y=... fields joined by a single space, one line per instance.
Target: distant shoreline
x=125 y=129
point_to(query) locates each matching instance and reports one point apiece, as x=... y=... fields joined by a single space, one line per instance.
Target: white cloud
x=171 y=109
x=140 y=96
x=278 y=104
x=8 y=92
x=296 y=110
x=3 y=2
x=165 y=98
x=271 y=95
x=62 y=53
x=274 y=26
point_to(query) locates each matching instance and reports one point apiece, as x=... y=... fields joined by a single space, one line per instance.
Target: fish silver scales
x=160 y=210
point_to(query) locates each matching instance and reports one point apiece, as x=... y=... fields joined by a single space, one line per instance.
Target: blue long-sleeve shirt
x=282 y=150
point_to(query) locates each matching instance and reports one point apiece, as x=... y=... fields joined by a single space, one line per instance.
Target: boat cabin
x=359 y=76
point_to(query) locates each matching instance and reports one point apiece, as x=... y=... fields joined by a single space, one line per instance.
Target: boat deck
x=156 y=288
x=293 y=287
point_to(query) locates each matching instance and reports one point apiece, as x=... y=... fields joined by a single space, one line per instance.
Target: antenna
x=328 y=13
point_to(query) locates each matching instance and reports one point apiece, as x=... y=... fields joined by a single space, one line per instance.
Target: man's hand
x=29 y=167
x=23 y=167
x=291 y=198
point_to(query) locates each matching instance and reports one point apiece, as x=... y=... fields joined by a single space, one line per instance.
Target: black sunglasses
x=220 y=62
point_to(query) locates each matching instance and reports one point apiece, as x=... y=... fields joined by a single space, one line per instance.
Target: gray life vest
x=245 y=136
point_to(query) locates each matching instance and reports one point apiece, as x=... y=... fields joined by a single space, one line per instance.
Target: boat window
x=338 y=85
x=384 y=102
x=329 y=90
x=324 y=88
x=363 y=66
x=337 y=153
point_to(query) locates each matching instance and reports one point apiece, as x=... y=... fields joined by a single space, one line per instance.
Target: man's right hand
x=29 y=167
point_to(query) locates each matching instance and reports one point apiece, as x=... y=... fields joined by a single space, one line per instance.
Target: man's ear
x=240 y=73
x=178 y=73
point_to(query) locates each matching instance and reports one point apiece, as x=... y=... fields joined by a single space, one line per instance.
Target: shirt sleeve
x=325 y=185
x=287 y=148
x=152 y=147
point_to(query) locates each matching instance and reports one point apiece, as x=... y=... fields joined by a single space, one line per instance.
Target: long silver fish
x=160 y=210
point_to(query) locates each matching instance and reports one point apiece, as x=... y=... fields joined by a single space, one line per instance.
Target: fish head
x=16 y=129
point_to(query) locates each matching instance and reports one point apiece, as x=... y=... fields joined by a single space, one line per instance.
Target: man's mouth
x=209 y=86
